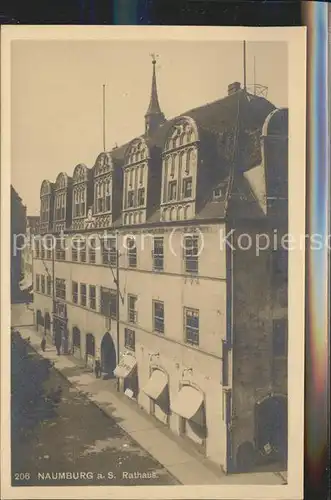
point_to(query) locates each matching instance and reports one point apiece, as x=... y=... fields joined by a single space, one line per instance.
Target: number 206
x=21 y=476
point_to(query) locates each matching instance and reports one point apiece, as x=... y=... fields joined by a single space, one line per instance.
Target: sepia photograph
x=155 y=306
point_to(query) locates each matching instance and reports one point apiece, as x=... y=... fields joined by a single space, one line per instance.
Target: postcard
x=152 y=263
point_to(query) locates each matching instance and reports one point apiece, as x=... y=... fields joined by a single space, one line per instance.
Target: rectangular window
x=109 y=252
x=129 y=339
x=158 y=255
x=191 y=326
x=91 y=250
x=38 y=282
x=187 y=187
x=49 y=285
x=191 y=254
x=75 y=292
x=92 y=297
x=279 y=337
x=105 y=301
x=172 y=190
x=82 y=250
x=60 y=249
x=130 y=199
x=49 y=247
x=74 y=249
x=60 y=288
x=158 y=316
x=141 y=196
x=132 y=252
x=42 y=249
x=37 y=248
x=83 y=294
x=113 y=304
x=42 y=283
x=132 y=311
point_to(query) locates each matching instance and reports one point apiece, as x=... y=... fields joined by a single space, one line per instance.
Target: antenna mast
x=254 y=78
x=104 y=116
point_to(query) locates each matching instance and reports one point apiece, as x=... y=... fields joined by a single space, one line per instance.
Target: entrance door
x=76 y=342
x=108 y=356
x=271 y=429
x=47 y=322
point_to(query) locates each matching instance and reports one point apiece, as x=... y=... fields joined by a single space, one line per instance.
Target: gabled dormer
x=62 y=202
x=107 y=190
x=46 y=206
x=179 y=170
x=82 y=195
x=136 y=171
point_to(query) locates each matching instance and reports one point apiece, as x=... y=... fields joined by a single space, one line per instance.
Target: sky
x=56 y=95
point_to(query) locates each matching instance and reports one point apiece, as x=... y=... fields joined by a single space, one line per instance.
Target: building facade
x=191 y=323
x=26 y=283
x=18 y=230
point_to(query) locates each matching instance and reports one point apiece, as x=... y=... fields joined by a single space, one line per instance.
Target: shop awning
x=126 y=366
x=188 y=402
x=156 y=384
x=26 y=283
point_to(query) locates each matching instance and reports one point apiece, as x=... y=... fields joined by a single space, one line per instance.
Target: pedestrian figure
x=58 y=349
x=97 y=369
x=43 y=344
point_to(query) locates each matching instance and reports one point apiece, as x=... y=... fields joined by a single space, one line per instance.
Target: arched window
x=172 y=213
x=179 y=213
x=125 y=219
x=186 y=209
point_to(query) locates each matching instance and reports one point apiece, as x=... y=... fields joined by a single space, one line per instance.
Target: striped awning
x=126 y=366
x=188 y=402
x=156 y=384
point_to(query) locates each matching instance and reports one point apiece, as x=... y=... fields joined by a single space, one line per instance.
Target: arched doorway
x=271 y=429
x=90 y=349
x=76 y=342
x=108 y=356
x=47 y=322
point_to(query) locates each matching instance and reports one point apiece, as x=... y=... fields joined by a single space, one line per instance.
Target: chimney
x=233 y=88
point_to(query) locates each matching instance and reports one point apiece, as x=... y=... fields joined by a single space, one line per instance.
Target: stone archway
x=108 y=356
x=271 y=429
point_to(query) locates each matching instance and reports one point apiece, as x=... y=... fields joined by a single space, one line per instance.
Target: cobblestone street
x=72 y=435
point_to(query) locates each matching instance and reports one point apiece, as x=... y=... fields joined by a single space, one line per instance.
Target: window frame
x=75 y=292
x=191 y=262
x=132 y=312
x=129 y=339
x=93 y=297
x=158 y=319
x=83 y=294
x=191 y=333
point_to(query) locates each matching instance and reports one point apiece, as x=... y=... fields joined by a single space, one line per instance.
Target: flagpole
x=104 y=116
x=244 y=54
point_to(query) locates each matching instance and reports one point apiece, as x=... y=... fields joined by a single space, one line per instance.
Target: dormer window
x=141 y=176
x=172 y=191
x=130 y=199
x=187 y=187
x=141 y=197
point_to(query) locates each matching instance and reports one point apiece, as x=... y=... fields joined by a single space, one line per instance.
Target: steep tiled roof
x=214 y=117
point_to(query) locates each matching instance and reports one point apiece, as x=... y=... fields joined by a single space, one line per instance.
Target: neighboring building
x=195 y=332
x=18 y=229
x=26 y=284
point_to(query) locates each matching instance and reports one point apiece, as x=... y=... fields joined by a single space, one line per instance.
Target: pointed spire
x=154 y=115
